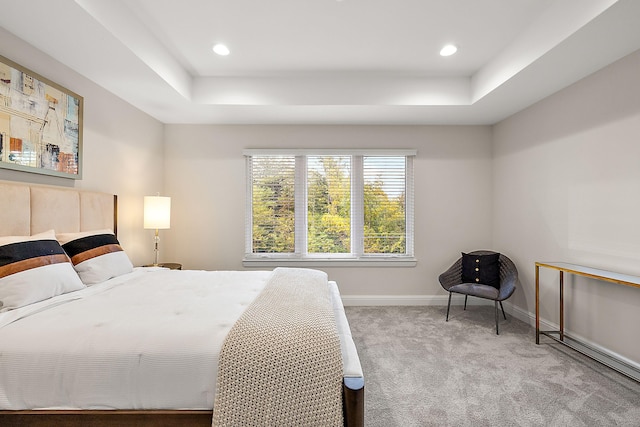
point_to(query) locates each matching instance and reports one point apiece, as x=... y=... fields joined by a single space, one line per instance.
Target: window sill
x=328 y=262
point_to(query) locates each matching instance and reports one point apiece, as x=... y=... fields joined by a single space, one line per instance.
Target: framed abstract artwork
x=40 y=124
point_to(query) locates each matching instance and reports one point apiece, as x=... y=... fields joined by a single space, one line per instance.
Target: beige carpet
x=422 y=371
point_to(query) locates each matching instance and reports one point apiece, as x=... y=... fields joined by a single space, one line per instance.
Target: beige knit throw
x=281 y=365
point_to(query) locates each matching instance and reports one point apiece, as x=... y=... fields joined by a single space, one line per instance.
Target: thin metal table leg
x=537 y=304
x=561 y=305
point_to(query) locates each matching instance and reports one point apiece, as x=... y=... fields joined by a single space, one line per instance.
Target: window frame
x=356 y=257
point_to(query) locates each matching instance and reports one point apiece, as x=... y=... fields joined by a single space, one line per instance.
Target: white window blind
x=336 y=205
x=385 y=186
x=272 y=181
x=329 y=204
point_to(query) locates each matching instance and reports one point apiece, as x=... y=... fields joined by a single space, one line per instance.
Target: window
x=325 y=206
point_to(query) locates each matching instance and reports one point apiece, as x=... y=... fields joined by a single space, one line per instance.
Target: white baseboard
x=381 y=300
x=545 y=325
x=517 y=312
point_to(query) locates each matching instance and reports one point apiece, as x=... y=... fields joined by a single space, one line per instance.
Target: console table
x=560 y=336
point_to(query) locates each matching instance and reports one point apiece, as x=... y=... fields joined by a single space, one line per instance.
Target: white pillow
x=32 y=269
x=96 y=255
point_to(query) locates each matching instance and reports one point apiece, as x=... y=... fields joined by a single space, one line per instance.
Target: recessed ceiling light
x=221 y=49
x=448 y=50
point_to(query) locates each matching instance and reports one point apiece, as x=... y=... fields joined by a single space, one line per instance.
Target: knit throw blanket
x=281 y=365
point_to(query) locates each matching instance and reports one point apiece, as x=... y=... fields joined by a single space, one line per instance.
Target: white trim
x=545 y=325
x=330 y=262
x=248 y=229
x=328 y=152
x=527 y=317
x=356 y=257
x=406 y=300
x=409 y=206
x=300 y=206
x=357 y=205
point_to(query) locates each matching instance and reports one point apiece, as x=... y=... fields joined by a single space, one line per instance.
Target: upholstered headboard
x=27 y=209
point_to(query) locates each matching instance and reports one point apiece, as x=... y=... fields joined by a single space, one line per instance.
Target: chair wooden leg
x=496 y=305
x=448 y=307
x=465 y=301
x=504 y=315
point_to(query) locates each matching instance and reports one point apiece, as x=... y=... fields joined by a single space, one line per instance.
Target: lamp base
x=169 y=265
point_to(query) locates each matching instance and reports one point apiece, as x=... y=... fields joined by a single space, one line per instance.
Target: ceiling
x=329 y=61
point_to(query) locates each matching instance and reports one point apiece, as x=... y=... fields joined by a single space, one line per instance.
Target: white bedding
x=146 y=340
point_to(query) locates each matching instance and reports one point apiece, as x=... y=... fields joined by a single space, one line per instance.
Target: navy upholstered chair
x=478 y=274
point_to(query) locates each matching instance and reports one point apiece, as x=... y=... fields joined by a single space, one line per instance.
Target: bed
x=176 y=342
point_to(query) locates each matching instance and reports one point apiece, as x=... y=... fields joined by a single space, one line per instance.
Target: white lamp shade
x=157 y=212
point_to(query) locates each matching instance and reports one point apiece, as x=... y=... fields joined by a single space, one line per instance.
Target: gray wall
x=205 y=173
x=566 y=188
x=122 y=150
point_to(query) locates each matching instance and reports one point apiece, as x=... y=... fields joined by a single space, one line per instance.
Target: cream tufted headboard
x=27 y=209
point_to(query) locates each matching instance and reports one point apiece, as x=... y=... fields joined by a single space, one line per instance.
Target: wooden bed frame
x=27 y=210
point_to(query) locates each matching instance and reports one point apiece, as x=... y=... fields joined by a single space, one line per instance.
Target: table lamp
x=157 y=215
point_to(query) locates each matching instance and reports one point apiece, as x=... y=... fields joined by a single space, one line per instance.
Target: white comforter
x=146 y=340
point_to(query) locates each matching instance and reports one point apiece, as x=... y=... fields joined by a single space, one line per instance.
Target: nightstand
x=169 y=265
